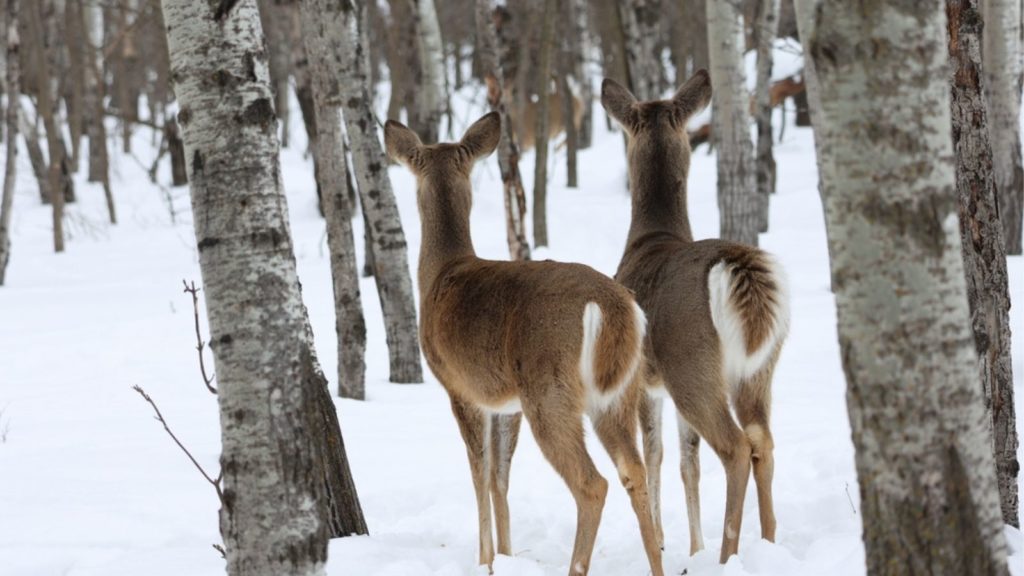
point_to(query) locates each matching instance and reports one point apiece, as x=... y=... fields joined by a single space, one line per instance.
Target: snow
x=91 y=485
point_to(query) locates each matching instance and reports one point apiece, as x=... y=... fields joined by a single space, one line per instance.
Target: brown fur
x=668 y=272
x=496 y=331
x=526 y=119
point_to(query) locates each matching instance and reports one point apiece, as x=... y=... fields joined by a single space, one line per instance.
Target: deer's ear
x=618 y=102
x=694 y=95
x=400 y=142
x=482 y=137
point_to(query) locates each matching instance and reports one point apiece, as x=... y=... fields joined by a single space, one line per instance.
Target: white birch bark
x=639 y=31
x=431 y=99
x=270 y=519
x=332 y=176
x=1003 y=52
x=927 y=477
x=342 y=20
x=740 y=207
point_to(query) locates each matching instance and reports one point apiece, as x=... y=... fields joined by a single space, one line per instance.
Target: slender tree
x=91 y=24
x=764 y=33
x=929 y=497
x=508 y=152
x=540 y=131
x=45 y=106
x=981 y=236
x=639 y=20
x=286 y=484
x=742 y=211
x=579 y=53
x=12 y=53
x=430 y=96
x=390 y=252
x=1004 y=74
x=329 y=151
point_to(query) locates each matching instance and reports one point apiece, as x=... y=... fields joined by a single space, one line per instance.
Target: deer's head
x=443 y=168
x=657 y=125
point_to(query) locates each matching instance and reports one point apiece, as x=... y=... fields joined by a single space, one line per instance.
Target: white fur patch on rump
x=737 y=363
x=593 y=318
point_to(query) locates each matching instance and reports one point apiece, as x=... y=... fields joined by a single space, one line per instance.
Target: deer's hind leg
x=650 y=428
x=475 y=427
x=689 y=469
x=504 y=437
x=709 y=414
x=616 y=428
x=557 y=425
x=753 y=407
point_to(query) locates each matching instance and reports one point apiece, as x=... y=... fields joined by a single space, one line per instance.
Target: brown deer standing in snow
x=554 y=341
x=526 y=118
x=718 y=313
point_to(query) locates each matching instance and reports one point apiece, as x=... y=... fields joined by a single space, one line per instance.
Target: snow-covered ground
x=91 y=485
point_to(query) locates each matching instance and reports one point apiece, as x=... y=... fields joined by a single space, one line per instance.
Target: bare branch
x=160 y=417
x=208 y=380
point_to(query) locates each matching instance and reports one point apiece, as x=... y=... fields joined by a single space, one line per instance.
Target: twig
x=160 y=417
x=850 y=498
x=208 y=380
x=5 y=427
x=220 y=549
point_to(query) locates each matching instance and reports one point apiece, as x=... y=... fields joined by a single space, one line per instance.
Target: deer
x=526 y=118
x=552 y=341
x=718 y=314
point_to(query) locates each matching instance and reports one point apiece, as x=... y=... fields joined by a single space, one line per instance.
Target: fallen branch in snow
x=160 y=417
x=208 y=380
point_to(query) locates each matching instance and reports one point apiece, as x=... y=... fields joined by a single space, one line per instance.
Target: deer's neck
x=658 y=188
x=444 y=214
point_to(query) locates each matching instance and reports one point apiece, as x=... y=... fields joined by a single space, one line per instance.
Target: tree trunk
x=12 y=52
x=430 y=95
x=571 y=136
x=741 y=209
x=403 y=60
x=508 y=151
x=1004 y=74
x=333 y=178
x=580 y=45
x=277 y=42
x=35 y=153
x=982 y=241
x=284 y=487
x=639 y=19
x=91 y=24
x=44 y=104
x=540 y=130
x=929 y=497
x=391 y=262
x=74 y=101
x=767 y=25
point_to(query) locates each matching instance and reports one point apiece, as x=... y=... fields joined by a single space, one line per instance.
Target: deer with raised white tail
x=718 y=314
x=553 y=341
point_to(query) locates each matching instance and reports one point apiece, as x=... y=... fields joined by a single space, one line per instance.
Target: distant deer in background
x=525 y=118
x=554 y=341
x=718 y=314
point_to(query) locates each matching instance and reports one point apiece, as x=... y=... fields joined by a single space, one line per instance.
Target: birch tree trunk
x=1004 y=73
x=75 y=93
x=275 y=26
x=639 y=33
x=91 y=25
x=431 y=95
x=282 y=493
x=764 y=32
x=540 y=130
x=343 y=21
x=329 y=151
x=982 y=241
x=929 y=497
x=11 y=50
x=742 y=211
x=508 y=151
x=580 y=43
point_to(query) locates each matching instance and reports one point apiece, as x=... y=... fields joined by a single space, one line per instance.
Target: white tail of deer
x=719 y=316
x=552 y=340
